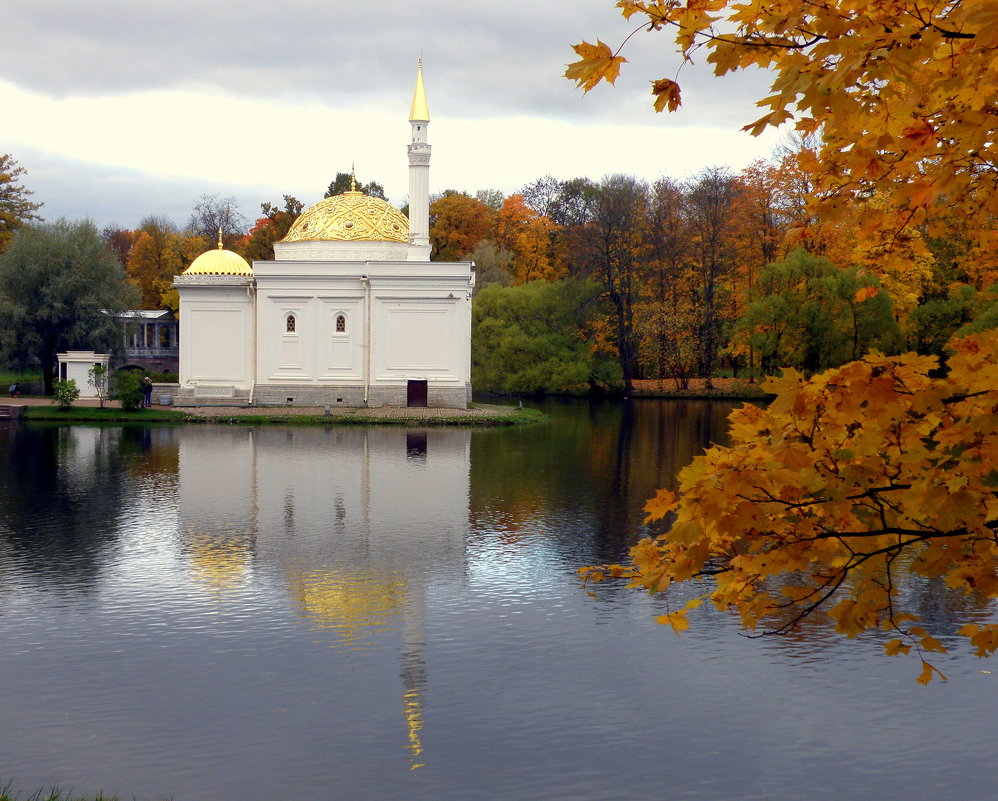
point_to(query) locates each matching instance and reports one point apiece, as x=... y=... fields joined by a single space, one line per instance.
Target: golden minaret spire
x=420 y=109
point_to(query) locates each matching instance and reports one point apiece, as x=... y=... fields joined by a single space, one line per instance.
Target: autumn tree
x=120 y=240
x=667 y=319
x=155 y=258
x=710 y=200
x=458 y=222
x=16 y=207
x=527 y=235
x=569 y=205
x=60 y=288
x=272 y=227
x=616 y=247
x=213 y=216
x=879 y=475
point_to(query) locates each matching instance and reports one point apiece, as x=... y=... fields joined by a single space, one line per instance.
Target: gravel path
x=378 y=413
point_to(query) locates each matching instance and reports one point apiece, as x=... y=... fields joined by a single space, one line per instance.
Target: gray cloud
x=501 y=59
x=112 y=196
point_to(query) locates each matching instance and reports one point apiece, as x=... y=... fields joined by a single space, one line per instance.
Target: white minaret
x=419 y=174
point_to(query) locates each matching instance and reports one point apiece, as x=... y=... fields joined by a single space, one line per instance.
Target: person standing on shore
x=147 y=392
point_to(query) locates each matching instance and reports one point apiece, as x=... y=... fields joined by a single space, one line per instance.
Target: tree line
x=612 y=281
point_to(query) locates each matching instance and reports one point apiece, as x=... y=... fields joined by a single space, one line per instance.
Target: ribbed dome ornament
x=219 y=262
x=352 y=216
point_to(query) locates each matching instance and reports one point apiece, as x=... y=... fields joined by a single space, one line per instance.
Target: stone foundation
x=319 y=396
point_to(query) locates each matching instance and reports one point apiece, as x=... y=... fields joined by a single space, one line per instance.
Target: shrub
x=65 y=392
x=128 y=389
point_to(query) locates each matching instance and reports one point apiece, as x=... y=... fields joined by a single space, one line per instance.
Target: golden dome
x=349 y=217
x=219 y=262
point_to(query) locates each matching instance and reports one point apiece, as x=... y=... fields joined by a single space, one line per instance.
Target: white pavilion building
x=351 y=312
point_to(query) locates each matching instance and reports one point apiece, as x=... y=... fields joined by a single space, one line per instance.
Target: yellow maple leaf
x=677 y=620
x=666 y=94
x=895 y=647
x=658 y=507
x=927 y=671
x=597 y=63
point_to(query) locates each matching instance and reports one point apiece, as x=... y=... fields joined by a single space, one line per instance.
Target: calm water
x=213 y=613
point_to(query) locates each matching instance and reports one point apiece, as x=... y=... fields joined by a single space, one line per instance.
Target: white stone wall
x=217 y=337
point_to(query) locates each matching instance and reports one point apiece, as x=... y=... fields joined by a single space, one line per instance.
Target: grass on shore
x=82 y=414
x=51 y=794
x=91 y=414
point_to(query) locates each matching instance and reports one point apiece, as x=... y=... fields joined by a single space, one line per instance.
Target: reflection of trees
x=61 y=489
x=589 y=472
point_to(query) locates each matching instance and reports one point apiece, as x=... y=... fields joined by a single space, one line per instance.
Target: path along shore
x=478 y=413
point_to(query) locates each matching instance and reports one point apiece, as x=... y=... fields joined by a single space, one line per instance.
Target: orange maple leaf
x=921 y=134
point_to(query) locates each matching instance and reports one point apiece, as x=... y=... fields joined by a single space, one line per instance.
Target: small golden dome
x=219 y=262
x=349 y=217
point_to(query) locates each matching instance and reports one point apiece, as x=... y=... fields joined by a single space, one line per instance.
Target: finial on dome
x=420 y=110
x=353 y=177
x=220 y=237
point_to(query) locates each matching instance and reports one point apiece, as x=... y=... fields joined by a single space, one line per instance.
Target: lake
x=214 y=612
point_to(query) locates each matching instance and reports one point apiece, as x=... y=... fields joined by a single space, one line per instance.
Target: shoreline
x=89 y=411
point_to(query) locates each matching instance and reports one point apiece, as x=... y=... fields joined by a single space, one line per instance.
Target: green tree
x=97 y=377
x=60 y=288
x=813 y=315
x=345 y=180
x=531 y=339
x=16 y=209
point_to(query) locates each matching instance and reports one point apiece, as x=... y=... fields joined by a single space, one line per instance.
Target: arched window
x=290 y=327
x=341 y=324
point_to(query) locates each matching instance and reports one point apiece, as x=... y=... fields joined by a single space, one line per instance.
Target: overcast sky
x=122 y=109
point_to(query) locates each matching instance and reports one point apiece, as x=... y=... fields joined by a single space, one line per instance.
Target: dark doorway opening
x=416 y=393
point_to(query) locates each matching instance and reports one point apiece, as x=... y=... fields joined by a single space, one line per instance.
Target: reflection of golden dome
x=219 y=262
x=348 y=217
x=351 y=604
x=218 y=562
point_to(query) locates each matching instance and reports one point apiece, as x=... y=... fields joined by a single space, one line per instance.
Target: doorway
x=416 y=394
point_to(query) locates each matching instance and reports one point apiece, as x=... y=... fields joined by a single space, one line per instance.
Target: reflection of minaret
x=414 y=674
x=419 y=174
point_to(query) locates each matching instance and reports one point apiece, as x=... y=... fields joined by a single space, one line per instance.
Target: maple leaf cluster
x=902 y=92
x=843 y=488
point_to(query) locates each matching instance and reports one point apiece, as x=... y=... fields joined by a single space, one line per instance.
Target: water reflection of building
x=355 y=524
